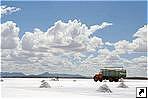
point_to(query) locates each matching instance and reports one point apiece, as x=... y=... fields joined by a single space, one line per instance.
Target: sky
x=83 y=32
x=124 y=16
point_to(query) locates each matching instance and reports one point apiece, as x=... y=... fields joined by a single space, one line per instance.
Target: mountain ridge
x=42 y=75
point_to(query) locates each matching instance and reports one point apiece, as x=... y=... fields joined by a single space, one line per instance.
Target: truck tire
x=95 y=78
x=116 y=79
x=111 y=79
x=100 y=80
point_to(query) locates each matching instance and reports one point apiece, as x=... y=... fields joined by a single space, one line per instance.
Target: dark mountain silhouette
x=42 y=75
x=12 y=74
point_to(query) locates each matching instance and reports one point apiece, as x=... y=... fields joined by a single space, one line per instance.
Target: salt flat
x=29 y=87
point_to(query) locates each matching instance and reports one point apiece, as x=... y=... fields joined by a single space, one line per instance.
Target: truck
x=110 y=73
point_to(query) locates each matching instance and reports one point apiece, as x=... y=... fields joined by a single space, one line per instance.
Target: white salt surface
x=29 y=87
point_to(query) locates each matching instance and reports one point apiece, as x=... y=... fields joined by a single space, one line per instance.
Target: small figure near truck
x=110 y=73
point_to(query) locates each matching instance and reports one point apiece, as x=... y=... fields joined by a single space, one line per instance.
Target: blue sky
x=126 y=17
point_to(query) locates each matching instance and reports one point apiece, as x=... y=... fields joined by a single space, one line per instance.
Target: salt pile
x=55 y=79
x=105 y=80
x=122 y=85
x=44 y=84
x=2 y=80
x=74 y=80
x=121 y=80
x=104 y=88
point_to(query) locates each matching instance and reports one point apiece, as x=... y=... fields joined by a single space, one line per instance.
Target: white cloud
x=97 y=27
x=139 y=44
x=140 y=40
x=65 y=48
x=103 y=59
x=35 y=40
x=94 y=43
x=104 y=52
x=122 y=47
x=137 y=66
x=52 y=51
x=141 y=33
x=109 y=44
x=9 y=35
x=8 y=10
x=70 y=36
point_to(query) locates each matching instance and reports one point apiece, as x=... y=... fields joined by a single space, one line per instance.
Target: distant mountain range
x=51 y=75
x=43 y=75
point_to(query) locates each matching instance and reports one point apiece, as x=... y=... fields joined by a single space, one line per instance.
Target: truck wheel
x=95 y=78
x=100 y=80
x=116 y=79
x=111 y=79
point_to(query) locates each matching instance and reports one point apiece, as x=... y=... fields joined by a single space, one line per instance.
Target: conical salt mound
x=122 y=85
x=121 y=80
x=104 y=80
x=104 y=88
x=2 y=80
x=55 y=79
x=44 y=84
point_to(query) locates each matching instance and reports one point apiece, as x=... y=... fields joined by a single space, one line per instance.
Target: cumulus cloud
x=68 y=47
x=35 y=40
x=139 y=44
x=137 y=66
x=59 y=49
x=122 y=47
x=9 y=35
x=109 y=44
x=141 y=33
x=108 y=58
x=70 y=36
x=94 y=43
x=140 y=40
x=8 y=10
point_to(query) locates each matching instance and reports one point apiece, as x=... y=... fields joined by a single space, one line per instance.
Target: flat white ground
x=29 y=87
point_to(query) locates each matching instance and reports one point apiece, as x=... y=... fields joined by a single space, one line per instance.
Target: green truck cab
x=110 y=73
